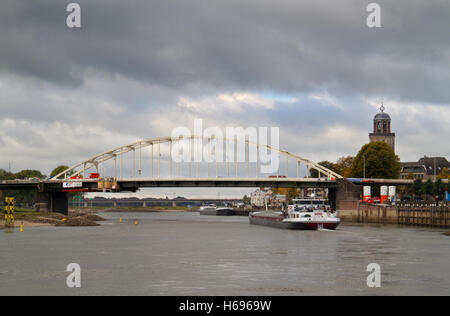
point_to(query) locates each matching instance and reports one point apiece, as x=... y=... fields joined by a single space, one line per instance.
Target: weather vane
x=382 y=106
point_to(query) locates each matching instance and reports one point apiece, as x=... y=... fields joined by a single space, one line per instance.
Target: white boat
x=304 y=214
x=209 y=207
x=311 y=203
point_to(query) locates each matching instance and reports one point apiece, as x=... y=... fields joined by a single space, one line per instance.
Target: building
x=382 y=129
x=426 y=168
x=277 y=200
x=258 y=197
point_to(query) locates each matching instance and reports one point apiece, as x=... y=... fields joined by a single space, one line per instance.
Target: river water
x=190 y=254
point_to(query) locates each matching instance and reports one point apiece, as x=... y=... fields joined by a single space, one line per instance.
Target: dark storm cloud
x=137 y=69
x=287 y=46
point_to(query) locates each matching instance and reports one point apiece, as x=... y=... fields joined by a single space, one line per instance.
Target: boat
x=209 y=207
x=218 y=211
x=304 y=214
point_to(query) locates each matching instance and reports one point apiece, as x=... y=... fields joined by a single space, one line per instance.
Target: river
x=189 y=254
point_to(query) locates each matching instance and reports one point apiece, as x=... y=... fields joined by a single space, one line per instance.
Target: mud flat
x=30 y=218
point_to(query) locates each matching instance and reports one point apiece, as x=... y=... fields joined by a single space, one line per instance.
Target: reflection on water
x=189 y=254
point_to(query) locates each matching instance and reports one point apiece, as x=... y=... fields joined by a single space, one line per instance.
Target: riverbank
x=153 y=209
x=83 y=217
x=31 y=218
x=26 y=224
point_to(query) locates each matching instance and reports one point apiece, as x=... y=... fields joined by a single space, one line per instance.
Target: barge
x=304 y=216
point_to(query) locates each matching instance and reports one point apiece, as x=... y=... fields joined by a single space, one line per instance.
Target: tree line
x=25 y=196
x=377 y=160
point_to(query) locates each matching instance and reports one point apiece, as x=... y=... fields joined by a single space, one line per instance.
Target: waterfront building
x=257 y=198
x=426 y=168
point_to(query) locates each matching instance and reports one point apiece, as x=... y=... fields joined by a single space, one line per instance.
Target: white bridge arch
x=97 y=162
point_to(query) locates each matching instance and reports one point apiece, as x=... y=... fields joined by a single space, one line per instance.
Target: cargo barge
x=307 y=215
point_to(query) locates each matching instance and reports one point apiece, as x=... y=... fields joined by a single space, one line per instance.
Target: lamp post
x=364 y=168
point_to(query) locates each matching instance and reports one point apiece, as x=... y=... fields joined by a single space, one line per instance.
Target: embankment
x=416 y=214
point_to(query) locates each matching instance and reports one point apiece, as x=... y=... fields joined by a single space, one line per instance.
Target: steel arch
x=96 y=160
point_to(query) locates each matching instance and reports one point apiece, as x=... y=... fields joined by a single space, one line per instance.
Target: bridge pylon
x=52 y=202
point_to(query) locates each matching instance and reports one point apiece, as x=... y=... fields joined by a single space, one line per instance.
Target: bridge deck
x=134 y=184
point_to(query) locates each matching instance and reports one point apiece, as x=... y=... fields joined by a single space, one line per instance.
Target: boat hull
x=279 y=223
x=218 y=212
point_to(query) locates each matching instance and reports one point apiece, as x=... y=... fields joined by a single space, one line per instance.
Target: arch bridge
x=155 y=163
x=152 y=163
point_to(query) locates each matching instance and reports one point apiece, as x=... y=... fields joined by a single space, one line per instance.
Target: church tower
x=382 y=129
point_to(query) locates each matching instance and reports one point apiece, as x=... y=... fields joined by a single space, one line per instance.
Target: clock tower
x=382 y=129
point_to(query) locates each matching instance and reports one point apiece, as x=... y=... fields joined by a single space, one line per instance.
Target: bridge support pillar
x=52 y=202
x=344 y=191
x=41 y=203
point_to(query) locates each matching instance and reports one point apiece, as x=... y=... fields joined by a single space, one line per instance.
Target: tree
x=58 y=170
x=327 y=164
x=25 y=174
x=21 y=196
x=428 y=187
x=417 y=187
x=5 y=175
x=292 y=193
x=438 y=188
x=343 y=166
x=445 y=174
x=376 y=160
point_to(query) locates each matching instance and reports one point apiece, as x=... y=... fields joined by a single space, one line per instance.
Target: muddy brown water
x=189 y=254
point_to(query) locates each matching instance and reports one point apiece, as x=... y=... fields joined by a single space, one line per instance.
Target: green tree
x=343 y=166
x=438 y=188
x=26 y=174
x=59 y=169
x=327 y=164
x=5 y=175
x=378 y=160
x=428 y=187
x=21 y=196
x=417 y=187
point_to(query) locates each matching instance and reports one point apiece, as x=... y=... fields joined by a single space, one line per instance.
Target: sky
x=138 y=69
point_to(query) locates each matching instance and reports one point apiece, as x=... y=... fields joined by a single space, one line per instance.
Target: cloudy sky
x=137 y=69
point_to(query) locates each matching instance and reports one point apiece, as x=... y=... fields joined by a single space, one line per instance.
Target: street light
x=364 y=169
